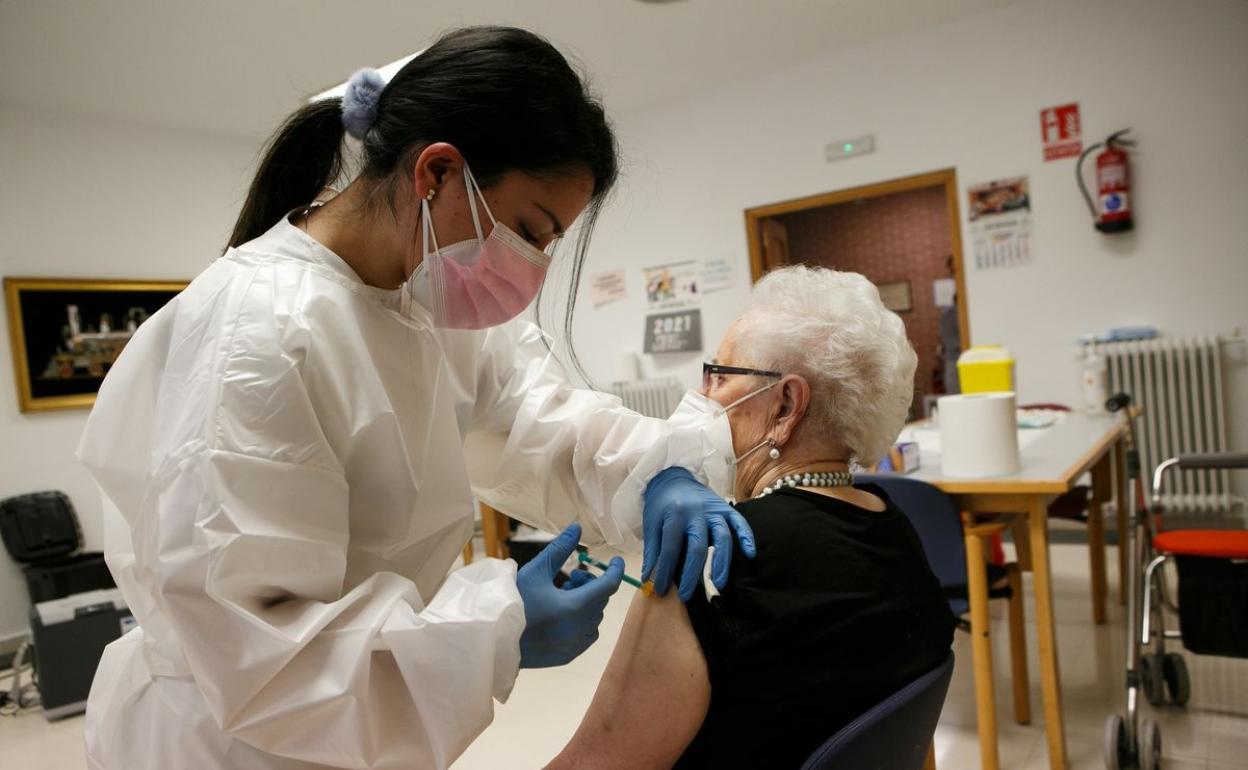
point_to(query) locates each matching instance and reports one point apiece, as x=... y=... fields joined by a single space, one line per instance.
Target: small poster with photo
x=671 y=287
x=1000 y=223
x=66 y=333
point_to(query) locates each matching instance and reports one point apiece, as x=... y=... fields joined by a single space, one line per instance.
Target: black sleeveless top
x=838 y=610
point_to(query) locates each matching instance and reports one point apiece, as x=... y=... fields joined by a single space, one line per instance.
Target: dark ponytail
x=300 y=159
x=504 y=97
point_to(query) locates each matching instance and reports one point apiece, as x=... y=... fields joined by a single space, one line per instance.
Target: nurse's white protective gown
x=288 y=466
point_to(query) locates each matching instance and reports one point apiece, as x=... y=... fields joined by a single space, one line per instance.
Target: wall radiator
x=1178 y=384
x=653 y=398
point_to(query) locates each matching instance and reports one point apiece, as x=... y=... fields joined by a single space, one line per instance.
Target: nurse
x=289 y=450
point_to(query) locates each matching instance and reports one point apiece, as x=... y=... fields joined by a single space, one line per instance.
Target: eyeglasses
x=709 y=369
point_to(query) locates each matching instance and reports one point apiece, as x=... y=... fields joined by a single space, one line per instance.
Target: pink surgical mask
x=476 y=284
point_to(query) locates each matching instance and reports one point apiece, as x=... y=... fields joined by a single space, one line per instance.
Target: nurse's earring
x=774 y=452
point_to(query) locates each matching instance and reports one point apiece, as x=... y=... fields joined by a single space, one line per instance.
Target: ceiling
x=237 y=67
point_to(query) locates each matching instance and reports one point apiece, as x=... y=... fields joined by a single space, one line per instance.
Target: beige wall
x=85 y=198
x=90 y=199
x=968 y=95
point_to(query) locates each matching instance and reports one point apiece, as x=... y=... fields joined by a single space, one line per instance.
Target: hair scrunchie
x=359 y=103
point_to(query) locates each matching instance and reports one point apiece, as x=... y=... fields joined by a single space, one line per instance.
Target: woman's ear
x=433 y=165
x=794 y=401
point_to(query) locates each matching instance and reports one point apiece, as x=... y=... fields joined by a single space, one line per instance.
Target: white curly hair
x=831 y=328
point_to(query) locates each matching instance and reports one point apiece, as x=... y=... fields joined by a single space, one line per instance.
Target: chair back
x=894 y=734
x=935 y=518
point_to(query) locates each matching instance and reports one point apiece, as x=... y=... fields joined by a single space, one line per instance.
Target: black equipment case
x=41 y=532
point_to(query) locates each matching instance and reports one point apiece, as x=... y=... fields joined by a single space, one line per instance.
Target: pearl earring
x=774 y=452
x=432 y=192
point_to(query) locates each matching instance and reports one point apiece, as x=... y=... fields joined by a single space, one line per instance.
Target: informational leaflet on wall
x=607 y=287
x=1000 y=223
x=673 y=320
x=896 y=296
x=716 y=275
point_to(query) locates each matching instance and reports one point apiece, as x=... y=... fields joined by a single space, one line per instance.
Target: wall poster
x=1000 y=223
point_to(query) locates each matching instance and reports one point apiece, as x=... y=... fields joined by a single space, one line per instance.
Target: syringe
x=585 y=558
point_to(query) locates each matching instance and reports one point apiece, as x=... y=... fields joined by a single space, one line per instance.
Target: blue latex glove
x=680 y=511
x=560 y=624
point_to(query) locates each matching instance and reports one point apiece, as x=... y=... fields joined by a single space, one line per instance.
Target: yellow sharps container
x=986 y=369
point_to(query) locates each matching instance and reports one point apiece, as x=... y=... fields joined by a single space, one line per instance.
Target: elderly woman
x=839 y=607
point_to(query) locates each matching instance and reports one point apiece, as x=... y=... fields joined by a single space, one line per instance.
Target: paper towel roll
x=978 y=435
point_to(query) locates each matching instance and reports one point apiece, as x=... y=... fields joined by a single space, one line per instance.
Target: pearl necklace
x=822 y=479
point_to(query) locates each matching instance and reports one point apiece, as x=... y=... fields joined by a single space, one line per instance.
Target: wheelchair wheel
x=1117 y=752
x=1178 y=682
x=1150 y=745
x=1152 y=679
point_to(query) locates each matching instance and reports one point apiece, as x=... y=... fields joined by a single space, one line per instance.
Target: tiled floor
x=1212 y=732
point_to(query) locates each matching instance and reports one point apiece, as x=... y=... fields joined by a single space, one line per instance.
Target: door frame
x=946 y=178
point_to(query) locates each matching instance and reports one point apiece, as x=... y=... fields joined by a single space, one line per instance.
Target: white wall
x=85 y=198
x=968 y=95
x=90 y=199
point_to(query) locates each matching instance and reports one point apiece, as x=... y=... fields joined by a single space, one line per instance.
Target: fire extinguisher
x=1111 y=212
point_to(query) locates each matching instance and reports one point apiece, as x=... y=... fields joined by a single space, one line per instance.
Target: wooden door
x=768 y=243
x=775 y=244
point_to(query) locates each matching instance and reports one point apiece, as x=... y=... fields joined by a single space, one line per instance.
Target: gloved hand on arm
x=561 y=623
x=679 y=511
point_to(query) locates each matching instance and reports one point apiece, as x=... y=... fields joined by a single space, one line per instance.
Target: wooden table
x=1052 y=461
x=495 y=528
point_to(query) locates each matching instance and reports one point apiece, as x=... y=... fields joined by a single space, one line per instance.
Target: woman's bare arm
x=652 y=697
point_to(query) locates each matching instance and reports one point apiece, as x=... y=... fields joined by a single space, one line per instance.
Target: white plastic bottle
x=1095 y=381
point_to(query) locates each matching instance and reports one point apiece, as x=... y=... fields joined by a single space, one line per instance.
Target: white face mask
x=702 y=412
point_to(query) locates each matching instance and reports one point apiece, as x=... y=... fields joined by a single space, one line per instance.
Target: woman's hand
x=679 y=511
x=561 y=624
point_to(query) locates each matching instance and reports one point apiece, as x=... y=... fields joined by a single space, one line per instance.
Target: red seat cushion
x=1215 y=543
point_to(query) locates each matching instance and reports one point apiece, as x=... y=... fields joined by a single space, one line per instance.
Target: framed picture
x=66 y=333
x=896 y=296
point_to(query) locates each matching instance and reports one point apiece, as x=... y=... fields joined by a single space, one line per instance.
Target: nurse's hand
x=679 y=514
x=560 y=624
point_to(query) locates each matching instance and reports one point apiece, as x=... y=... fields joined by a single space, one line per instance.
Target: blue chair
x=950 y=547
x=895 y=734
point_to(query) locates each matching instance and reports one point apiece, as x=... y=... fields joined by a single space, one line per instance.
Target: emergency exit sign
x=1060 y=130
